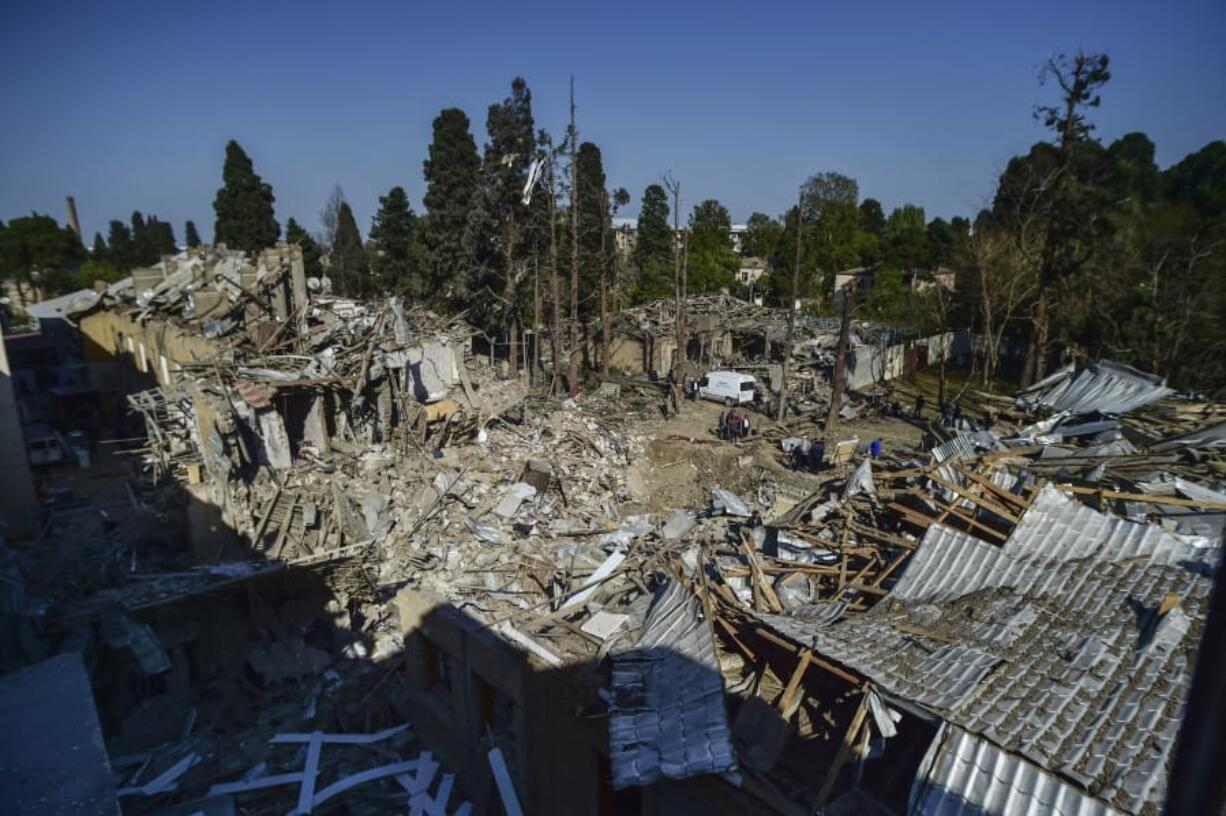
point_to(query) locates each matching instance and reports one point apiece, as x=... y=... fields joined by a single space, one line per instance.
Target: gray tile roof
x=667 y=718
x=1049 y=646
x=970 y=776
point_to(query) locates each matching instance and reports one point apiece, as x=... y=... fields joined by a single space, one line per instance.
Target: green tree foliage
x=192 y=238
x=906 y=239
x=244 y=205
x=762 y=235
x=395 y=264
x=36 y=253
x=99 y=251
x=653 y=249
x=1094 y=251
x=890 y=300
x=508 y=154
x=712 y=262
x=311 y=254
x=452 y=173
x=832 y=238
x=872 y=217
x=594 y=220
x=1200 y=180
x=350 y=271
x=120 y=250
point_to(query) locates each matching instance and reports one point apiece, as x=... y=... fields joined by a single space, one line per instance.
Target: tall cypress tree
x=395 y=266
x=295 y=234
x=119 y=245
x=245 y=218
x=99 y=252
x=160 y=236
x=452 y=173
x=653 y=248
x=143 y=253
x=593 y=221
x=190 y=236
x=349 y=265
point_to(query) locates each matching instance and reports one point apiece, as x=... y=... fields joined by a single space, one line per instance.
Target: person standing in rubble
x=918 y=413
x=874 y=449
x=817 y=455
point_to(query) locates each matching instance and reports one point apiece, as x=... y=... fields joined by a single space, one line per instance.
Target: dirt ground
x=685 y=458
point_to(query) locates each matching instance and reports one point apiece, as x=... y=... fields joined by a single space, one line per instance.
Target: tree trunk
x=573 y=373
x=787 y=351
x=555 y=293
x=604 y=328
x=535 y=352
x=840 y=367
x=508 y=293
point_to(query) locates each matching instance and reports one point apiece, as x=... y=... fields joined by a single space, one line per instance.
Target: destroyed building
x=410 y=581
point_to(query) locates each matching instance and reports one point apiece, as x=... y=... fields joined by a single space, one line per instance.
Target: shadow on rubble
x=200 y=645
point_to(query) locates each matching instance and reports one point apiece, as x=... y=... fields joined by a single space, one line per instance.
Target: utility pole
x=572 y=135
x=840 y=364
x=787 y=351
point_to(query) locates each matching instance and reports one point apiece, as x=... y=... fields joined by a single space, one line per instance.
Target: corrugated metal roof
x=1047 y=646
x=667 y=718
x=1105 y=387
x=970 y=776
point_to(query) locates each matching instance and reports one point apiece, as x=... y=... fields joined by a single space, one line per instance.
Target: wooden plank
x=977 y=499
x=1142 y=497
x=764 y=593
x=789 y=701
x=996 y=490
x=768 y=635
x=849 y=742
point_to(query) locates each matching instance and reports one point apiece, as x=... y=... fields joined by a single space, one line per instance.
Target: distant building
x=751 y=271
x=920 y=281
x=625 y=235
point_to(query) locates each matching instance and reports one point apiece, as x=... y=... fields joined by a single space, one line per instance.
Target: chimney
x=73 y=223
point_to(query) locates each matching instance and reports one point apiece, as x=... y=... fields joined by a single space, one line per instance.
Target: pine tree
x=119 y=246
x=396 y=266
x=141 y=247
x=594 y=221
x=712 y=261
x=295 y=234
x=349 y=265
x=452 y=183
x=653 y=248
x=99 y=252
x=190 y=236
x=160 y=236
x=245 y=217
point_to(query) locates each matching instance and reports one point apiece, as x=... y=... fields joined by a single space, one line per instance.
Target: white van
x=728 y=387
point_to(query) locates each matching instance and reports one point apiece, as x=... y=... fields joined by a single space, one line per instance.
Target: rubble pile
x=1006 y=602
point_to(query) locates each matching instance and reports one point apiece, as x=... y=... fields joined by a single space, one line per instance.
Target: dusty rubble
x=752 y=614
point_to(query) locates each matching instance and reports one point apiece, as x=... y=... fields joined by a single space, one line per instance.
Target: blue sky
x=128 y=105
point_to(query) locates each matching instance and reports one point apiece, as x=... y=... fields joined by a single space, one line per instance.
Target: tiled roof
x=1049 y=646
x=667 y=719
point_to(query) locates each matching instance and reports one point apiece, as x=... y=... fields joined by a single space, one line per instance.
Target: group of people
x=812 y=456
x=733 y=424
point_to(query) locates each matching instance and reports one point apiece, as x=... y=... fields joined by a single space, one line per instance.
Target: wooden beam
x=771 y=637
x=1142 y=497
x=790 y=700
x=849 y=742
x=977 y=499
x=763 y=592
